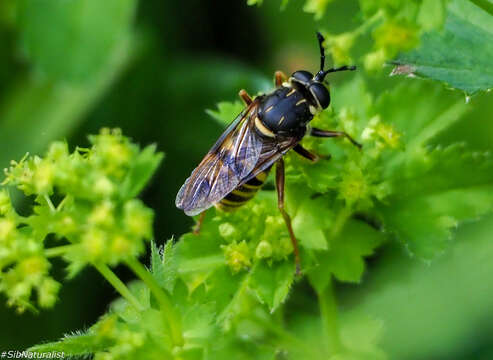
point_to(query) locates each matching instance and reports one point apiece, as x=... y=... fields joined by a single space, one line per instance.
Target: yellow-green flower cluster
x=24 y=268
x=238 y=256
x=382 y=135
x=360 y=186
x=86 y=199
x=268 y=239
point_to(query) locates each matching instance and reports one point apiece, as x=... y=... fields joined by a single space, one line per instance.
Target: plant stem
x=289 y=339
x=363 y=28
x=114 y=280
x=60 y=205
x=328 y=312
x=50 y=204
x=59 y=250
x=167 y=308
x=485 y=5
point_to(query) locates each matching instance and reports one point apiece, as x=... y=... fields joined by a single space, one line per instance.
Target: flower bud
x=263 y=250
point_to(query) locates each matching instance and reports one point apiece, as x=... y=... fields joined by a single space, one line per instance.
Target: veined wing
x=272 y=150
x=231 y=159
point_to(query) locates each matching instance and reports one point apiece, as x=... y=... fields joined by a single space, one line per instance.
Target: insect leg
x=196 y=229
x=305 y=153
x=285 y=215
x=328 y=133
x=245 y=97
x=279 y=78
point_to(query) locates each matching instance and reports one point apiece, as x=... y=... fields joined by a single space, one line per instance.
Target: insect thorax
x=285 y=111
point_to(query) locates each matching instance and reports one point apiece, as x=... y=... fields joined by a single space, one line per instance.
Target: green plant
x=224 y=293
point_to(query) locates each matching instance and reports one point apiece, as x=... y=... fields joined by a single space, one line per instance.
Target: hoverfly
x=236 y=167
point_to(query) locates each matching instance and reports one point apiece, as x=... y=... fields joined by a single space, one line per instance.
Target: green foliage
x=71 y=63
x=234 y=279
x=454 y=39
x=84 y=200
x=395 y=26
x=231 y=292
x=460 y=55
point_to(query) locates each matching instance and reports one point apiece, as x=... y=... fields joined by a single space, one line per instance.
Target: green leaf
x=434 y=194
x=199 y=255
x=360 y=336
x=192 y=353
x=345 y=258
x=226 y=111
x=127 y=311
x=83 y=33
x=441 y=169
x=425 y=224
x=419 y=177
x=198 y=322
x=79 y=343
x=317 y=7
x=309 y=221
x=431 y=111
x=254 y=2
x=432 y=14
x=225 y=289
x=460 y=55
x=141 y=171
x=164 y=267
x=271 y=283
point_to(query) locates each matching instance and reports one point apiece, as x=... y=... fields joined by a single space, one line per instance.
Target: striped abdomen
x=243 y=193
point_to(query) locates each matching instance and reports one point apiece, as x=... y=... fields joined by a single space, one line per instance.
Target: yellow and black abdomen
x=243 y=193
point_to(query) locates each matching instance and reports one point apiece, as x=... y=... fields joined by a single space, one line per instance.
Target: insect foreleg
x=245 y=97
x=328 y=133
x=285 y=215
x=279 y=78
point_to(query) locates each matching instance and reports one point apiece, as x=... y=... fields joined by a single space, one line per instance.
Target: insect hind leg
x=198 y=225
x=285 y=215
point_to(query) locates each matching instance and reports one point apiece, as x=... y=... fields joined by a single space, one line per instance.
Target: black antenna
x=342 y=68
x=322 y=74
x=322 y=50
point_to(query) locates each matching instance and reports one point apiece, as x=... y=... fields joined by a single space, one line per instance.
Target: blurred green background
x=152 y=68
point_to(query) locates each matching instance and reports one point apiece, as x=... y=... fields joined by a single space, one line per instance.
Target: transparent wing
x=272 y=150
x=230 y=160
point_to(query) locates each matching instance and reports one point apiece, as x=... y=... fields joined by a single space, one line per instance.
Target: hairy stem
x=328 y=312
x=485 y=5
x=167 y=308
x=122 y=289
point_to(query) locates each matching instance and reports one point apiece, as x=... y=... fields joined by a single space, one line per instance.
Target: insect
x=236 y=167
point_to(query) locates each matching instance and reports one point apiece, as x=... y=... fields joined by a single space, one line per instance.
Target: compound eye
x=302 y=76
x=321 y=94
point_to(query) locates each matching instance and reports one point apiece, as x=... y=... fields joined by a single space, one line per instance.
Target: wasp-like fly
x=271 y=124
